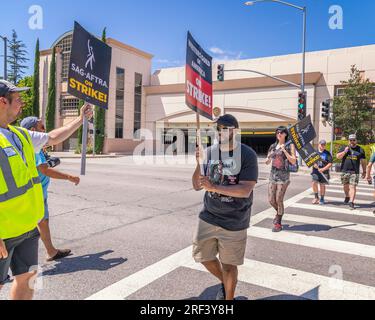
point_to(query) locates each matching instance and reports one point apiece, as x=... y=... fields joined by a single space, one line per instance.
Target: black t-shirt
x=229 y=168
x=326 y=159
x=352 y=160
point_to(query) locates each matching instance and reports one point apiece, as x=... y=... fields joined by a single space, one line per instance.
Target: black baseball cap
x=227 y=120
x=7 y=87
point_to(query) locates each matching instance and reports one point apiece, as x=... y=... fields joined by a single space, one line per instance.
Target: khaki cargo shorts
x=350 y=178
x=210 y=241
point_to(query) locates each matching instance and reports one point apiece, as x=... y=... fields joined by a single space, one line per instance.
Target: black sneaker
x=221 y=293
x=347 y=199
x=351 y=206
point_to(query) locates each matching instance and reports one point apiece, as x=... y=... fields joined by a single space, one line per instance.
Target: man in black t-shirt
x=320 y=174
x=352 y=158
x=230 y=175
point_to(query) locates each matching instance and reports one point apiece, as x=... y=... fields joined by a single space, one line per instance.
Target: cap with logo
x=228 y=121
x=353 y=137
x=7 y=87
x=322 y=142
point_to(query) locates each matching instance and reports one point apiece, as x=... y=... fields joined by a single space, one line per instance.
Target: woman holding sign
x=281 y=157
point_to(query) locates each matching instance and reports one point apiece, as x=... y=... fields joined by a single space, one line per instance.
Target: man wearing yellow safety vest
x=21 y=195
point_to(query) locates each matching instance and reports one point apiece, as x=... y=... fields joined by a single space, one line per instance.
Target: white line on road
x=352 y=248
x=131 y=284
x=369 y=194
x=298 y=283
x=331 y=223
x=341 y=200
x=326 y=208
x=358 y=188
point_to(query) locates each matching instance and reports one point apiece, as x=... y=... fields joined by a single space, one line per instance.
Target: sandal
x=60 y=255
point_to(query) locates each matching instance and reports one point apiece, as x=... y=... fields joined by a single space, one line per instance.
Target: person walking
x=320 y=174
x=45 y=174
x=230 y=176
x=21 y=194
x=280 y=157
x=352 y=157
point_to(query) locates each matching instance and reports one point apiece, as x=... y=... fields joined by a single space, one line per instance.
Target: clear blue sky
x=226 y=27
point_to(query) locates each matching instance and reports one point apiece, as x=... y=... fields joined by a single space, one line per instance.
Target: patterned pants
x=276 y=194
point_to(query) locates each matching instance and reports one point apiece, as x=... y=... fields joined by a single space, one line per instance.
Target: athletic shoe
x=322 y=202
x=277 y=228
x=351 y=206
x=221 y=293
x=347 y=199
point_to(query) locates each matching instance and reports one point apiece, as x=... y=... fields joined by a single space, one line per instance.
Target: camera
x=52 y=161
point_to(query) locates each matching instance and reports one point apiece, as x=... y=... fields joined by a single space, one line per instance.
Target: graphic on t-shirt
x=220 y=172
x=279 y=159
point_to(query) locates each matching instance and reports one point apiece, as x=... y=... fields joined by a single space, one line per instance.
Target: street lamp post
x=303 y=9
x=5 y=39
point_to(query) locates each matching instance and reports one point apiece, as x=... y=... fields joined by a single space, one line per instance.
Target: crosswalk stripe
x=339 y=246
x=298 y=283
x=369 y=194
x=358 y=188
x=326 y=208
x=361 y=184
x=331 y=223
x=341 y=200
x=131 y=284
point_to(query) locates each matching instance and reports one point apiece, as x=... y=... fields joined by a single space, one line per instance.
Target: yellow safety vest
x=21 y=194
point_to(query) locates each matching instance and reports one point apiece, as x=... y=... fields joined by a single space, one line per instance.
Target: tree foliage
x=17 y=58
x=51 y=104
x=353 y=110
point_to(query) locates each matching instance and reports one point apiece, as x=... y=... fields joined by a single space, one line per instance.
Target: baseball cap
x=323 y=142
x=228 y=120
x=29 y=122
x=7 y=87
x=353 y=137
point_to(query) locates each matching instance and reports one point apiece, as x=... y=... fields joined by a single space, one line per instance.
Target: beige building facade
x=156 y=101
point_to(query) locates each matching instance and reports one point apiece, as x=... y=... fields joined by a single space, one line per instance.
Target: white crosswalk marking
x=346 y=247
x=299 y=283
x=359 y=193
x=331 y=223
x=286 y=280
x=341 y=200
x=327 y=209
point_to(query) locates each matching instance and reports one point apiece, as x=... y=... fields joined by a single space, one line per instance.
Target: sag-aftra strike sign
x=89 y=68
x=198 y=79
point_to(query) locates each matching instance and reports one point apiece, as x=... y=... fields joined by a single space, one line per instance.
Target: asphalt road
x=130 y=227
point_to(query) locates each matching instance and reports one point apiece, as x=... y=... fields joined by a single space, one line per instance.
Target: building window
x=120 y=99
x=137 y=102
x=69 y=107
x=66 y=47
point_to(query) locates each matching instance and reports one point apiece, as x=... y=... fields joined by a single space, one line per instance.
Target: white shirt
x=38 y=139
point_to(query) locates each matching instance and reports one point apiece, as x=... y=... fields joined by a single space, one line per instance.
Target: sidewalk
x=73 y=155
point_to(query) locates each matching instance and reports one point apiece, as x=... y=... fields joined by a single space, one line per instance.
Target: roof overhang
x=311 y=78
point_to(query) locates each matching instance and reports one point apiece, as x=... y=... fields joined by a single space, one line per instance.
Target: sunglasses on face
x=280 y=132
x=353 y=140
x=219 y=129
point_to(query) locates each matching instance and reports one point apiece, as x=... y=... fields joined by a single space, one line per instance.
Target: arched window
x=65 y=44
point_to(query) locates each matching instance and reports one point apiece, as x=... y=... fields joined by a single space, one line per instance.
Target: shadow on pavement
x=210 y=294
x=83 y=263
x=307 y=227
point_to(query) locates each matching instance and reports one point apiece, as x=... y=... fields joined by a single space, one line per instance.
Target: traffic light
x=220 y=72
x=326 y=108
x=302 y=105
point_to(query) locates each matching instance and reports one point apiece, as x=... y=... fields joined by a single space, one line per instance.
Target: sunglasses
x=280 y=132
x=353 y=140
x=219 y=129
